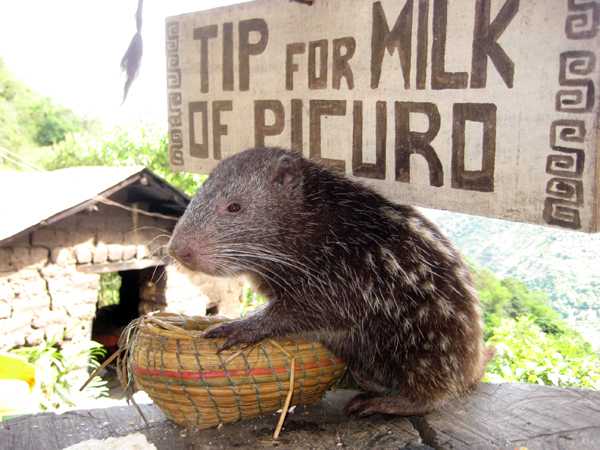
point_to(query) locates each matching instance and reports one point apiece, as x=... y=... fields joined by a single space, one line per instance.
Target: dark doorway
x=141 y=292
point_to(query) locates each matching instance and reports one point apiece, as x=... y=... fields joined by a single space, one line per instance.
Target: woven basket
x=195 y=387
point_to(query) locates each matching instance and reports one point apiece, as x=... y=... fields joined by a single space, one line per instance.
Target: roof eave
x=75 y=209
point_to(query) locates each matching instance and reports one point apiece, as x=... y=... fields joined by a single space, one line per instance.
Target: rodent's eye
x=231 y=207
x=234 y=208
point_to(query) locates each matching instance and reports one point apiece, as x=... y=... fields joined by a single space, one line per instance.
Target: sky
x=71 y=50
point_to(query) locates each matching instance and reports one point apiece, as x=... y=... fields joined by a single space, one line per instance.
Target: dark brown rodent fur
x=375 y=282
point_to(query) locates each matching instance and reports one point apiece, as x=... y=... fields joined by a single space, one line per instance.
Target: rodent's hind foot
x=369 y=403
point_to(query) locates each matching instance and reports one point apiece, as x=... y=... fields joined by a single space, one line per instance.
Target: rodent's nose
x=185 y=258
x=181 y=253
x=192 y=252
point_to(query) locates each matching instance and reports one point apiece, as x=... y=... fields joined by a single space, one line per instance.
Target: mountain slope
x=563 y=264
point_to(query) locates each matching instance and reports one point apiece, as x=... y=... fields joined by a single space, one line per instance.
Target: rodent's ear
x=285 y=172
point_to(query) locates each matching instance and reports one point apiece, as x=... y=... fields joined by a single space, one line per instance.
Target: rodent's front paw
x=234 y=332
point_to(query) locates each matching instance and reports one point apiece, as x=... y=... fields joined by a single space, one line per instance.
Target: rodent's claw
x=360 y=405
x=222 y=331
x=232 y=331
x=227 y=345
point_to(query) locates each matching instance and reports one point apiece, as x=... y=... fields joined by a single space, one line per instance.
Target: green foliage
x=525 y=353
x=144 y=144
x=108 y=290
x=16 y=131
x=53 y=122
x=62 y=371
x=511 y=298
x=251 y=300
x=28 y=120
x=533 y=343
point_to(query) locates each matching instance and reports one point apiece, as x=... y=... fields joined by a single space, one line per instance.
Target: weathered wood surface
x=492 y=416
x=513 y=415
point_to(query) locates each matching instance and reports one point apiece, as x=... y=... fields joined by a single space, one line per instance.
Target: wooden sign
x=485 y=107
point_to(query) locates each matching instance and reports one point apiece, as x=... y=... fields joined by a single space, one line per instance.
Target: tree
x=494 y=298
x=511 y=298
x=53 y=122
x=143 y=144
x=16 y=129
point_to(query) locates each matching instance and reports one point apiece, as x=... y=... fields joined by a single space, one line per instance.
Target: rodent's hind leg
x=367 y=383
x=368 y=403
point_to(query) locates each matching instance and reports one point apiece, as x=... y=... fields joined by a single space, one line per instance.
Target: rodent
x=375 y=282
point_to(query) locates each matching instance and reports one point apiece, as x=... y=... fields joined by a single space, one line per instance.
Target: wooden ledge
x=492 y=416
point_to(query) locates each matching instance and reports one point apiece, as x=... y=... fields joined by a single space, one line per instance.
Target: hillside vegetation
x=29 y=121
x=144 y=144
x=562 y=264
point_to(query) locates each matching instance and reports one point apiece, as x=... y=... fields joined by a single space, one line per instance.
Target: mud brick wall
x=41 y=294
x=194 y=294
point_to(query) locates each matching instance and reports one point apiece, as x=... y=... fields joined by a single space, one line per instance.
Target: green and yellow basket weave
x=166 y=356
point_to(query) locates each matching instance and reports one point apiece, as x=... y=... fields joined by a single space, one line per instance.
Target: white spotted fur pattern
x=375 y=282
